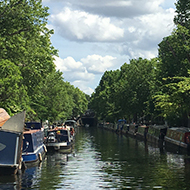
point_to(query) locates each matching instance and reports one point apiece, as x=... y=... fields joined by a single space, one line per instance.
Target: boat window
x=178 y=136
x=64 y=132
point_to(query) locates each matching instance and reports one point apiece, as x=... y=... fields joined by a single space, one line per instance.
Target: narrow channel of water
x=103 y=160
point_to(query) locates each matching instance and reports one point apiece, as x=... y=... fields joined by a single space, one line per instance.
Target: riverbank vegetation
x=155 y=90
x=28 y=77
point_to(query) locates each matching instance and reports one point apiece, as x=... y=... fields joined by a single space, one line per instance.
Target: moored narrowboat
x=178 y=139
x=34 y=148
x=11 y=136
x=59 y=139
x=156 y=134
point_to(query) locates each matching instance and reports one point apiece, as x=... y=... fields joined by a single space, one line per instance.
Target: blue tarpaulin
x=122 y=120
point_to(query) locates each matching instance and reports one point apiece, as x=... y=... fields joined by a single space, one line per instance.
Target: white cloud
x=68 y=64
x=82 y=26
x=145 y=33
x=98 y=64
x=81 y=73
x=83 y=86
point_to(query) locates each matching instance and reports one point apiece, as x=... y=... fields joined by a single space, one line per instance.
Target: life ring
x=40 y=157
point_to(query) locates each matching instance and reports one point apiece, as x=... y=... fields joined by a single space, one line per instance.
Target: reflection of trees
x=134 y=163
x=52 y=169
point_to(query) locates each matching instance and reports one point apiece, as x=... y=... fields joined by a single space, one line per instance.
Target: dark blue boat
x=11 y=136
x=33 y=143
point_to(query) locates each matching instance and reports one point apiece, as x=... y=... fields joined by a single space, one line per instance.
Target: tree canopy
x=29 y=80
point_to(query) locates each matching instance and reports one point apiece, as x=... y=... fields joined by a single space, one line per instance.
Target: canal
x=104 y=160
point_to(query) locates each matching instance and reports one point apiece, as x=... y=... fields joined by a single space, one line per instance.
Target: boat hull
x=8 y=169
x=36 y=156
x=63 y=147
x=177 y=140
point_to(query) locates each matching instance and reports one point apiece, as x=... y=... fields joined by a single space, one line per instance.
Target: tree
x=13 y=94
x=183 y=13
x=135 y=91
x=80 y=102
x=25 y=42
x=103 y=101
x=174 y=53
x=174 y=103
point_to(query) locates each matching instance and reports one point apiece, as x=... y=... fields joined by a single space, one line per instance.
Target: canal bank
x=102 y=159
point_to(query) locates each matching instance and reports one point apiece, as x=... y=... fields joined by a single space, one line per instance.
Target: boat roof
x=67 y=121
x=31 y=131
x=159 y=126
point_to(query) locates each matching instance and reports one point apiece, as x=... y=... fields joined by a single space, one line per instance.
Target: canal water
x=104 y=160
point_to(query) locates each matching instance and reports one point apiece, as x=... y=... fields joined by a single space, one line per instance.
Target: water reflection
x=10 y=182
x=104 y=160
x=31 y=176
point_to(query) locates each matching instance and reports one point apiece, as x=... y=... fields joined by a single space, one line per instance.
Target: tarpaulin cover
x=4 y=116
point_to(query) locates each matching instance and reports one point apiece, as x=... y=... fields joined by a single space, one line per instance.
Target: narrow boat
x=178 y=138
x=59 y=139
x=34 y=148
x=156 y=134
x=11 y=136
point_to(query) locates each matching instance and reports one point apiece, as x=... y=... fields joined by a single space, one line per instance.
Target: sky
x=94 y=36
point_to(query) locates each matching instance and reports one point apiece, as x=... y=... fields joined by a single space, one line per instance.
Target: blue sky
x=94 y=36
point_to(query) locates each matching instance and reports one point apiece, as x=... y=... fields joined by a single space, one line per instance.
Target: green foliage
x=29 y=80
x=124 y=93
x=174 y=103
x=103 y=101
x=183 y=14
x=174 y=51
x=13 y=94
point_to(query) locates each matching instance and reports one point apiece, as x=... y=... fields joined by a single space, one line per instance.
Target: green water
x=103 y=160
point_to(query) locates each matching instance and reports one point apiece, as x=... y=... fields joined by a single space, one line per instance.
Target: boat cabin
x=181 y=134
x=60 y=135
